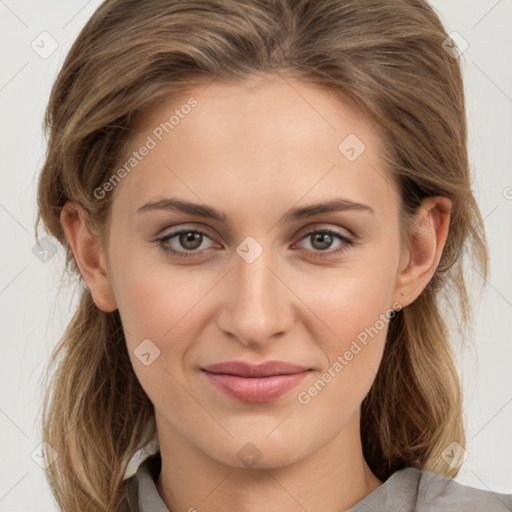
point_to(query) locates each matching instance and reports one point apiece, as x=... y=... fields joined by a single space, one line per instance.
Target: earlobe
x=418 y=265
x=89 y=255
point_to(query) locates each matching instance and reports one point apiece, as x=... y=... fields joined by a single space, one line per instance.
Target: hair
x=386 y=59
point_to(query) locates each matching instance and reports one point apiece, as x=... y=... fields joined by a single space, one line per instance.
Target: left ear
x=419 y=263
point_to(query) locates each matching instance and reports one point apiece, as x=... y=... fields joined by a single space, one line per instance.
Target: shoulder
x=438 y=492
x=417 y=490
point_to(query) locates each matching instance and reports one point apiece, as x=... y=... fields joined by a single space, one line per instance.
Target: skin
x=254 y=151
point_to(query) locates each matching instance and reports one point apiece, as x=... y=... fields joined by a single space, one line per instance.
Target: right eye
x=188 y=240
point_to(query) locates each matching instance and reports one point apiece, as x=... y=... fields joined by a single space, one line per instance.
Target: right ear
x=89 y=255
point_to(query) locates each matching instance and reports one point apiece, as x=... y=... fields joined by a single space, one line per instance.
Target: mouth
x=255 y=383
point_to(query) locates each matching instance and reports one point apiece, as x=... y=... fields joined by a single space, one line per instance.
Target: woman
x=266 y=200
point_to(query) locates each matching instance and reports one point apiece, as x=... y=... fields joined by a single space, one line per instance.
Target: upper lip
x=243 y=369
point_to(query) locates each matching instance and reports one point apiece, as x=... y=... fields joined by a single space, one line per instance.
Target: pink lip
x=255 y=383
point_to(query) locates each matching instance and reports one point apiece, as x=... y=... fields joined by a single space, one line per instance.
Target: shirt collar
x=141 y=492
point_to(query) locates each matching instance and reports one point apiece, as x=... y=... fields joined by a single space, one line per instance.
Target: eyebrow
x=334 y=205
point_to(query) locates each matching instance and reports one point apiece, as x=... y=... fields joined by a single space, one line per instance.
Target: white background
x=34 y=312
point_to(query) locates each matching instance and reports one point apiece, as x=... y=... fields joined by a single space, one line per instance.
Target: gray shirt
x=406 y=490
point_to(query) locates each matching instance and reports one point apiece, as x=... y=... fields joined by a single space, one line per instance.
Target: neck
x=332 y=479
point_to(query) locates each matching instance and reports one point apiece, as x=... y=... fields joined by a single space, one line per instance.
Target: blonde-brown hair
x=384 y=57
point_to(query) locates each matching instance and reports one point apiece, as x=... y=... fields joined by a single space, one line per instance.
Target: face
x=258 y=270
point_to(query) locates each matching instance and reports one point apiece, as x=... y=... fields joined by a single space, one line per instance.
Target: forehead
x=269 y=108
x=262 y=141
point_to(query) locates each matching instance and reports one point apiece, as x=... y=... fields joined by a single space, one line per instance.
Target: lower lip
x=256 y=389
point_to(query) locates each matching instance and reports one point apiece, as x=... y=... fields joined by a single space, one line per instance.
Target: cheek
x=350 y=298
x=353 y=307
x=160 y=305
x=356 y=309
x=152 y=294
x=358 y=316
x=164 y=304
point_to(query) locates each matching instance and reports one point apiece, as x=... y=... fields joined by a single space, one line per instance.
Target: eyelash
x=347 y=242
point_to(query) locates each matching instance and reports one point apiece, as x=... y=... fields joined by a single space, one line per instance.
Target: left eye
x=323 y=239
x=190 y=240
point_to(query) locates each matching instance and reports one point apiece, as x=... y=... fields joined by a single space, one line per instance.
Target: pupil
x=190 y=240
x=325 y=240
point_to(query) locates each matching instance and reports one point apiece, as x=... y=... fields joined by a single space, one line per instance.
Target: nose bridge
x=257 y=301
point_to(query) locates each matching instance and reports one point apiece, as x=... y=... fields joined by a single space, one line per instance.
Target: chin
x=256 y=449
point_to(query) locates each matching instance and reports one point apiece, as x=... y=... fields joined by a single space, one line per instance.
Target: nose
x=257 y=306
